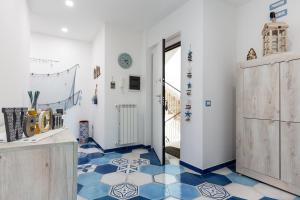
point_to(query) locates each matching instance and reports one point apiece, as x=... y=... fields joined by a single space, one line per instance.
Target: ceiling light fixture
x=69 y=3
x=64 y=29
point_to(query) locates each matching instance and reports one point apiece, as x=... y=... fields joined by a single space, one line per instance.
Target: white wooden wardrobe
x=268 y=120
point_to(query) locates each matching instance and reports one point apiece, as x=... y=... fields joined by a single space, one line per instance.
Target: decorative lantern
x=275 y=38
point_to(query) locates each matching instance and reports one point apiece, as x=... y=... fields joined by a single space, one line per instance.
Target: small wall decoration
x=19 y=121
x=95 y=97
x=14 y=119
x=125 y=60
x=251 y=54
x=188 y=107
x=275 y=39
x=112 y=84
x=97 y=72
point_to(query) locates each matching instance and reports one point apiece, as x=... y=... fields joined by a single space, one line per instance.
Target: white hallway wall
x=251 y=18
x=188 y=20
x=109 y=44
x=69 y=53
x=14 y=53
x=207 y=140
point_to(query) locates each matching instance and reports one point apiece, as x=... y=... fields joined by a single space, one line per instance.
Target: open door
x=158 y=100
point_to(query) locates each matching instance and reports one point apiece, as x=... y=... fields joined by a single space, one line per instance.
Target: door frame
x=164 y=51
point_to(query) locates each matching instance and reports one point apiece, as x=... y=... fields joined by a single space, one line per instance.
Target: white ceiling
x=87 y=16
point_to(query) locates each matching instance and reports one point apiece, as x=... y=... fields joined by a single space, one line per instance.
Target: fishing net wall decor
x=57 y=90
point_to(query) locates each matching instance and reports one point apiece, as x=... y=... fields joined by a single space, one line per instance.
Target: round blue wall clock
x=125 y=60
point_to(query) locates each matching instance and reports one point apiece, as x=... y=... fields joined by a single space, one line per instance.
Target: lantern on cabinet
x=275 y=38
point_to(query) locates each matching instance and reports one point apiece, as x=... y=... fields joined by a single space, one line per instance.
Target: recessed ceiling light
x=64 y=29
x=69 y=3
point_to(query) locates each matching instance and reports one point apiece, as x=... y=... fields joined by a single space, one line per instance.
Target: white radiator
x=127 y=122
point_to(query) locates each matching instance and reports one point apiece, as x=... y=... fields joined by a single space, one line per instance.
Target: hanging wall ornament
x=190 y=55
x=188 y=115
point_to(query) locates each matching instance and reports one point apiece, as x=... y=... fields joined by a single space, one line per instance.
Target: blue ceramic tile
x=94 y=191
x=213 y=191
x=154 y=191
x=90 y=178
x=83 y=159
x=79 y=187
x=106 y=198
x=297 y=198
x=112 y=155
x=267 y=198
x=88 y=146
x=183 y=191
x=243 y=180
x=151 y=156
x=123 y=151
x=105 y=169
x=99 y=161
x=190 y=179
x=173 y=170
x=124 y=191
x=152 y=169
x=216 y=179
x=139 y=198
x=236 y=198
x=95 y=155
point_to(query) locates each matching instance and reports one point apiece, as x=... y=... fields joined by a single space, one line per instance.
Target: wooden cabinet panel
x=63 y=172
x=290 y=91
x=261 y=92
x=290 y=153
x=24 y=174
x=259 y=147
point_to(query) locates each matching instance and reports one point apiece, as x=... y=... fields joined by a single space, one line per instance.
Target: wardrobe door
x=290 y=91
x=290 y=153
x=260 y=146
x=261 y=92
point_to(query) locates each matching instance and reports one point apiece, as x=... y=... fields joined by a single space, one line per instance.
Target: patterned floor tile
x=140 y=151
x=154 y=191
x=128 y=169
x=151 y=155
x=216 y=179
x=213 y=191
x=190 y=179
x=173 y=169
x=86 y=168
x=100 y=161
x=94 y=191
x=183 y=191
x=106 y=169
x=90 y=178
x=243 y=180
x=145 y=179
x=165 y=179
x=152 y=169
x=243 y=191
x=113 y=178
x=139 y=178
x=272 y=192
x=124 y=191
x=224 y=171
x=120 y=161
x=140 y=162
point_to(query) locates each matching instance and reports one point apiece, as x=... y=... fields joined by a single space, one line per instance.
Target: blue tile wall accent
x=211 y=169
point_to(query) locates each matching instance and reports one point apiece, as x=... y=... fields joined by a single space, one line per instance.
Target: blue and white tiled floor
x=136 y=175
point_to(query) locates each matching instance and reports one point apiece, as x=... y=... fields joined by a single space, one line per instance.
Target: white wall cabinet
x=268 y=120
x=46 y=170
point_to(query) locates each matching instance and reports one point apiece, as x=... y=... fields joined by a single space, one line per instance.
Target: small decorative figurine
x=251 y=54
x=275 y=38
x=188 y=115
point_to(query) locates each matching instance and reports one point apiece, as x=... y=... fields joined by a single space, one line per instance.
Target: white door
x=157 y=101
